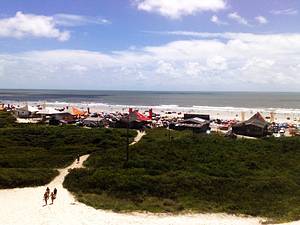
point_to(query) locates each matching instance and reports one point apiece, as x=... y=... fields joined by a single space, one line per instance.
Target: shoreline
x=277 y=115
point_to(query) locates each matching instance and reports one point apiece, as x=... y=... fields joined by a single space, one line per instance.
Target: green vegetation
x=195 y=173
x=30 y=154
x=6 y=119
x=24 y=177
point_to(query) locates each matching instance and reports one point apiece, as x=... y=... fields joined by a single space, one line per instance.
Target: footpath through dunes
x=138 y=137
x=25 y=206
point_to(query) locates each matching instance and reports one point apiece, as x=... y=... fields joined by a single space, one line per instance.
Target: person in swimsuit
x=46 y=197
x=53 y=197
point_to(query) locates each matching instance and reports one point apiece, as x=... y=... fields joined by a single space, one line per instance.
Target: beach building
x=93 y=122
x=195 y=124
x=54 y=114
x=25 y=111
x=256 y=126
x=191 y=115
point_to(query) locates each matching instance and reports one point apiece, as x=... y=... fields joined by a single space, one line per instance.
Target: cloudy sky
x=192 y=45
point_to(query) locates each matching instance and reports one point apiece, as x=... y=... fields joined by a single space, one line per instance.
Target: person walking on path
x=55 y=191
x=46 y=197
x=48 y=190
x=78 y=158
x=53 y=197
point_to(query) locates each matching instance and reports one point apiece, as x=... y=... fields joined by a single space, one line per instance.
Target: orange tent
x=77 y=112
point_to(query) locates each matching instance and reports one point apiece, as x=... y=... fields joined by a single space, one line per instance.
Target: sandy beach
x=25 y=206
x=278 y=115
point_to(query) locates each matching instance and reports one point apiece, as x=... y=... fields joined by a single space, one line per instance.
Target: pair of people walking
x=47 y=195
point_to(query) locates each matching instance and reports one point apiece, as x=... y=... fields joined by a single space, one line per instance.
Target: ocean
x=286 y=100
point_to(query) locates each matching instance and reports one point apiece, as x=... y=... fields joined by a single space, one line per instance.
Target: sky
x=165 y=45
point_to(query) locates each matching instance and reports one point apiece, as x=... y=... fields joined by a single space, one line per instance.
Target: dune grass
x=24 y=177
x=195 y=173
x=6 y=119
x=30 y=154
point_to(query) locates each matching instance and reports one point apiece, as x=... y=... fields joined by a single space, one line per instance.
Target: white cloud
x=213 y=61
x=30 y=25
x=176 y=9
x=236 y=17
x=261 y=20
x=289 y=11
x=215 y=19
x=72 y=20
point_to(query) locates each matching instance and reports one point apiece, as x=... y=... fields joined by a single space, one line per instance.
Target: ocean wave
x=171 y=107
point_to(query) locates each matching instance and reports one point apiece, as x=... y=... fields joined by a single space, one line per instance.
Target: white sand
x=24 y=206
x=289 y=115
x=138 y=137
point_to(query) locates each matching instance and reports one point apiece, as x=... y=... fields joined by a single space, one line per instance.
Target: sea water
x=286 y=100
x=229 y=104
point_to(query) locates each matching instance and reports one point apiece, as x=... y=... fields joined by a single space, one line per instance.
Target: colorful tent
x=136 y=116
x=76 y=112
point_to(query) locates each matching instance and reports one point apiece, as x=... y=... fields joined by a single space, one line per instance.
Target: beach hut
x=256 y=126
x=55 y=114
x=93 y=122
x=201 y=116
x=195 y=124
x=25 y=111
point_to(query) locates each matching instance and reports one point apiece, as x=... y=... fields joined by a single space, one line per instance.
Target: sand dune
x=24 y=206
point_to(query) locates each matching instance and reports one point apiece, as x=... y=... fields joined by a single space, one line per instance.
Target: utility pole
x=127 y=140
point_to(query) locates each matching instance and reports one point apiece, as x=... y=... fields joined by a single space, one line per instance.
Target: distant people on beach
x=48 y=190
x=46 y=195
x=78 y=158
x=52 y=195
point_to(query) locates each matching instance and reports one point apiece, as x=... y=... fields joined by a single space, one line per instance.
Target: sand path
x=138 y=137
x=24 y=206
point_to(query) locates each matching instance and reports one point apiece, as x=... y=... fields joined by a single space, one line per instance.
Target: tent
x=76 y=112
x=256 y=126
x=136 y=120
x=136 y=116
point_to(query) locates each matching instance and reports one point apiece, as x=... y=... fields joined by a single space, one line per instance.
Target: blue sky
x=197 y=45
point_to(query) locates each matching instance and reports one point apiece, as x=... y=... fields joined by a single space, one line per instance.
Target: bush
x=29 y=154
x=16 y=177
x=196 y=172
x=6 y=119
